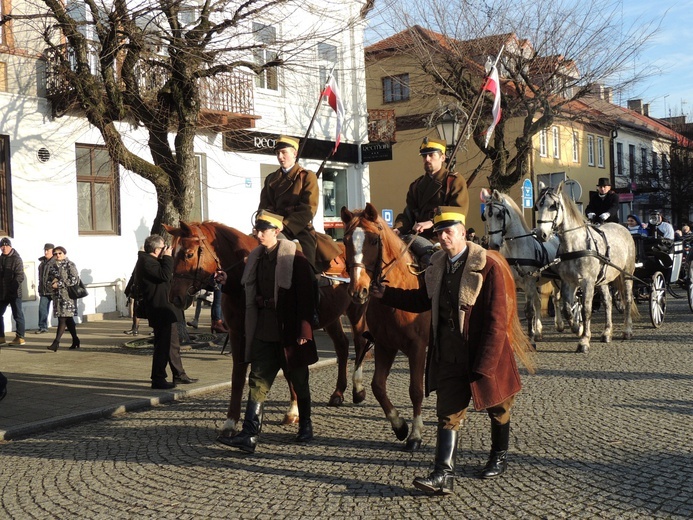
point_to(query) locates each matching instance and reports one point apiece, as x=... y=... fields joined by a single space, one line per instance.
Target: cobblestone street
x=602 y=435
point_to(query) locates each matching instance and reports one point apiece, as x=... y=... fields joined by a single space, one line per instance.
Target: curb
x=26 y=430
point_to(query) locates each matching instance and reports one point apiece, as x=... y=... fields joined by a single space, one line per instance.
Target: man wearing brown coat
x=469 y=354
x=279 y=309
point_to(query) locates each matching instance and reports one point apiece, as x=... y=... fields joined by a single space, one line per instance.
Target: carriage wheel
x=658 y=299
x=690 y=286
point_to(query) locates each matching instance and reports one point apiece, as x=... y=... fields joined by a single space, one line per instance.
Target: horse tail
x=620 y=286
x=521 y=345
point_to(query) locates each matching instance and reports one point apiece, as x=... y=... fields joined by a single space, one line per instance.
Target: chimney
x=635 y=105
x=608 y=95
x=646 y=109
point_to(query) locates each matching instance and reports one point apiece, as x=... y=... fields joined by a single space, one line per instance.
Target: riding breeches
x=266 y=358
x=454 y=394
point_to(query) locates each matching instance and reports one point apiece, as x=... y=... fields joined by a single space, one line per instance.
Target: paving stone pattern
x=602 y=435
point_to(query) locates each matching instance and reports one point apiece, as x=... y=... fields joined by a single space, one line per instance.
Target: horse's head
x=194 y=263
x=496 y=216
x=363 y=250
x=550 y=208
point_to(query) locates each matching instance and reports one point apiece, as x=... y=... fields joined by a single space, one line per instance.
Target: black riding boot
x=246 y=439
x=442 y=480
x=497 y=461
x=305 y=425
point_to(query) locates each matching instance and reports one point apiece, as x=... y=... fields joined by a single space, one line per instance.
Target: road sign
x=527 y=194
x=388 y=216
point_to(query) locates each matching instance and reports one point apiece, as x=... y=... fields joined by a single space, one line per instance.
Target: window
x=643 y=160
x=619 y=158
x=267 y=35
x=600 y=152
x=5 y=187
x=199 y=211
x=396 y=88
x=590 y=150
x=543 y=152
x=97 y=191
x=576 y=147
x=327 y=59
x=655 y=165
x=631 y=160
x=334 y=189
x=665 y=165
x=556 y=143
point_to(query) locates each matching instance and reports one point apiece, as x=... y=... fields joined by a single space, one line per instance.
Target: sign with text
x=388 y=216
x=527 y=194
x=372 y=152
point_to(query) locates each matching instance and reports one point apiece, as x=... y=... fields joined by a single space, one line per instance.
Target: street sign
x=527 y=194
x=388 y=216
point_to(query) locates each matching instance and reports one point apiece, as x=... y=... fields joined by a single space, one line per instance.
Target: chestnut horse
x=202 y=248
x=376 y=254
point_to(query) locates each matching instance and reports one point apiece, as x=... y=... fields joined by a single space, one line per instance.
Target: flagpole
x=312 y=119
x=477 y=102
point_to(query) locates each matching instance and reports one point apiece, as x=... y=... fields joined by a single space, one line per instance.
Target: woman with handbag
x=62 y=274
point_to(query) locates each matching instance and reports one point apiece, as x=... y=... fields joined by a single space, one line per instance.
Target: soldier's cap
x=5 y=242
x=48 y=246
x=446 y=217
x=603 y=181
x=431 y=145
x=286 y=142
x=266 y=220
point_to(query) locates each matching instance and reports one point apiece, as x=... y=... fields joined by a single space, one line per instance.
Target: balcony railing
x=381 y=126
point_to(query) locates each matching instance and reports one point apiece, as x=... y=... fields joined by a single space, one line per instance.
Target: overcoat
x=153 y=279
x=11 y=276
x=294 y=297
x=482 y=310
x=608 y=204
x=427 y=193
x=65 y=272
x=294 y=196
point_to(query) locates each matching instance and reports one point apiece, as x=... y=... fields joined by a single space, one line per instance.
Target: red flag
x=334 y=98
x=493 y=85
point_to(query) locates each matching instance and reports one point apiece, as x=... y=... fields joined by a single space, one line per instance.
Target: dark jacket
x=483 y=311
x=295 y=303
x=608 y=204
x=427 y=193
x=11 y=276
x=153 y=279
x=42 y=272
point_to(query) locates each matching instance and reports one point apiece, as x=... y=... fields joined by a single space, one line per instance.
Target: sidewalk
x=103 y=377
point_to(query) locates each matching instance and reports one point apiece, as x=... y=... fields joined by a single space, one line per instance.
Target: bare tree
x=554 y=54
x=156 y=64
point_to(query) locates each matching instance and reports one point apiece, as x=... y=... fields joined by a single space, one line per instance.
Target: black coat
x=11 y=276
x=153 y=277
x=609 y=204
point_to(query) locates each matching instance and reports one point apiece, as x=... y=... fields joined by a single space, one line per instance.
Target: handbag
x=77 y=291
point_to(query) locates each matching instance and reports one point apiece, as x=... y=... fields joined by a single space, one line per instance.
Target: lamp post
x=448 y=127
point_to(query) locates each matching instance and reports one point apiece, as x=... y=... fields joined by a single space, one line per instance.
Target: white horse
x=509 y=233
x=589 y=256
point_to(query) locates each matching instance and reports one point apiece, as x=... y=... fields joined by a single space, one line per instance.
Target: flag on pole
x=493 y=85
x=334 y=98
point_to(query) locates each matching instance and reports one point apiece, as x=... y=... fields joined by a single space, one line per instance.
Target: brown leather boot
x=218 y=326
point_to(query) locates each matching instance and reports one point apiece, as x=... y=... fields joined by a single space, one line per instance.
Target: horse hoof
x=336 y=400
x=290 y=419
x=412 y=445
x=359 y=397
x=402 y=432
x=560 y=329
x=627 y=335
x=582 y=349
x=606 y=339
x=229 y=429
x=539 y=337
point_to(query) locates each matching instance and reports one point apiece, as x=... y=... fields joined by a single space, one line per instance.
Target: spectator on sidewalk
x=45 y=298
x=153 y=274
x=11 y=278
x=61 y=274
x=130 y=291
x=213 y=293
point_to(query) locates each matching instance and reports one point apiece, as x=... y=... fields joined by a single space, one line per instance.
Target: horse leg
x=341 y=348
x=587 y=296
x=608 y=307
x=357 y=318
x=238 y=377
x=384 y=358
x=417 y=362
x=558 y=316
x=291 y=415
x=628 y=304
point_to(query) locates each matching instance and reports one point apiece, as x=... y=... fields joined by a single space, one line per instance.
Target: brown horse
x=202 y=248
x=374 y=254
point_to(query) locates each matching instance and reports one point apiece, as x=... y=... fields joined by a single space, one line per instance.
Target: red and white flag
x=493 y=85
x=334 y=98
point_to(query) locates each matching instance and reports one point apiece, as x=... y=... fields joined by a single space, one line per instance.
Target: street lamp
x=448 y=128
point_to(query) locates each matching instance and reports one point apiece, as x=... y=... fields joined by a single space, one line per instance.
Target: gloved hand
x=605 y=215
x=591 y=216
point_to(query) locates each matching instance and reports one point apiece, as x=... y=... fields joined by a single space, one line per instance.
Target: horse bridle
x=556 y=206
x=505 y=212
x=380 y=269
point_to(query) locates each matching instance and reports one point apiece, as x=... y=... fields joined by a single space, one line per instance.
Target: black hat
x=5 y=242
x=603 y=181
x=47 y=246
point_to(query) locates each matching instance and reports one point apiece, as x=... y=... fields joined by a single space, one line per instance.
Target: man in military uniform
x=292 y=192
x=603 y=205
x=436 y=187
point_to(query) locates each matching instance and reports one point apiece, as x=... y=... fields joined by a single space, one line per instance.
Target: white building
x=57 y=184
